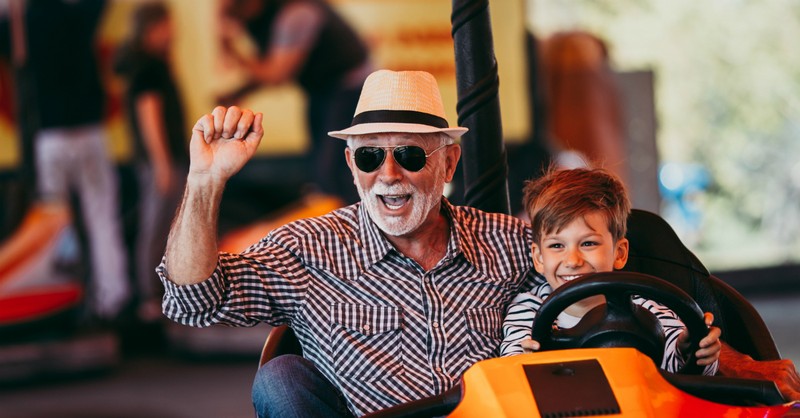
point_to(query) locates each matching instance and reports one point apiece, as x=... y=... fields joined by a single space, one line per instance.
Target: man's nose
x=390 y=171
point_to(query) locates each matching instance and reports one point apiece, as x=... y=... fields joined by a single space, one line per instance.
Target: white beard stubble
x=422 y=203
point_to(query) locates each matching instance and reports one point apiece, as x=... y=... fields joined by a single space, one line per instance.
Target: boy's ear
x=621 y=253
x=538 y=262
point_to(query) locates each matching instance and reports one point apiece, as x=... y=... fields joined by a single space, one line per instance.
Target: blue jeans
x=291 y=386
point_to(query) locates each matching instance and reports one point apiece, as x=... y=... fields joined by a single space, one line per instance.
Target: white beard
x=421 y=205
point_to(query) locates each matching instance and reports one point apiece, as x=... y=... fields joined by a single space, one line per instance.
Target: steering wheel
x=620 y=322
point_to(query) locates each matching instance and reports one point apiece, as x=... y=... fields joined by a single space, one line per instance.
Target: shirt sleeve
x=297 y=26
x=192 y=304
x=146 y=78
x=266 y=283
x=518 y=322
x=673 y=327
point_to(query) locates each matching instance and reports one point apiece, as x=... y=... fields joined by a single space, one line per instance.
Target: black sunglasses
x=410 y=157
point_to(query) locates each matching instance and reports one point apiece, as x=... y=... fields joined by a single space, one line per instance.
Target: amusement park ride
x=606 y=367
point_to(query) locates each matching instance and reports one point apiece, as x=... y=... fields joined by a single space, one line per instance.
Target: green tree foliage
x=728 y=99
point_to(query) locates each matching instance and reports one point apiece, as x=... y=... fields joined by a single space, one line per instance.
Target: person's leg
x=53 y=161
x=290 y=386
x=99 y=193
x=150 y=202
x=156 y=211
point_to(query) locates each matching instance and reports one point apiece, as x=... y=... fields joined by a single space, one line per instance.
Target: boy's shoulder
x=539 y=289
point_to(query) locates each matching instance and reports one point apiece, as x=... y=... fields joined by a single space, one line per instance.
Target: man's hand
x=710 y=346
x=223 y=141
x=782 y=372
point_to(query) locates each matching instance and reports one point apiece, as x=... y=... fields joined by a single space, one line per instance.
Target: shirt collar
x=460 y=234
x=374 y=243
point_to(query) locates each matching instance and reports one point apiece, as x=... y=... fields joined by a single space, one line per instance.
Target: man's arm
x=191 y=253
x=222 y=142
x=735 y=364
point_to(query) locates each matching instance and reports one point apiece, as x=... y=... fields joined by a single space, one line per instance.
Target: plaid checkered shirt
x=375 y=323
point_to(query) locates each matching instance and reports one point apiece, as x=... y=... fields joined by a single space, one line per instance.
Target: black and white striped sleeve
x=518 y=322
x=673 y=359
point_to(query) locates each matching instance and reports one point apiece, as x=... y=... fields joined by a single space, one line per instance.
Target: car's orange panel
x=500 y=388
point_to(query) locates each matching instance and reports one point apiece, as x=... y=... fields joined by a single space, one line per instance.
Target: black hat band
x=399 y=116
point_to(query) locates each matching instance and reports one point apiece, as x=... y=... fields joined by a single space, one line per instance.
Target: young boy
x=578 y=219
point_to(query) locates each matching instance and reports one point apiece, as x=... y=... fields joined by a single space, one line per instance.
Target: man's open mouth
x=395 y=202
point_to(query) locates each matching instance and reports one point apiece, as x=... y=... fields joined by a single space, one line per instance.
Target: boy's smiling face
x=584 y=246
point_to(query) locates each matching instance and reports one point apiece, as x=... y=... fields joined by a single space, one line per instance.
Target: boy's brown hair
x=557 y=198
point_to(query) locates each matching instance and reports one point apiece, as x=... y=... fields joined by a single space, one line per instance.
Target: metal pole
x=484 y=159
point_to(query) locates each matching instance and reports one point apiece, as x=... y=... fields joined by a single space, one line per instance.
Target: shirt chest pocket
x=485 y=329
x=366 y=341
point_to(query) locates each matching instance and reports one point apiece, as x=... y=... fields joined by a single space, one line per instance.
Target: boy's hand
x=529 y=346
x=710 y=345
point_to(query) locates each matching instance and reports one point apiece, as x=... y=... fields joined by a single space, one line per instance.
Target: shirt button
x=438 y=369
x=365 y=327
x=435 y=324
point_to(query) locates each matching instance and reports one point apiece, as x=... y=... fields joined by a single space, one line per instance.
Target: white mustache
x=393 y=189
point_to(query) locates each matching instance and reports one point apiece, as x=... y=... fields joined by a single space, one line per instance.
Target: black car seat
x=280 y=340
x=657 y=250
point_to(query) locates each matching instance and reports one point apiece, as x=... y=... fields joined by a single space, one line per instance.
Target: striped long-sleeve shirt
x=377 y=325
x=518 y=325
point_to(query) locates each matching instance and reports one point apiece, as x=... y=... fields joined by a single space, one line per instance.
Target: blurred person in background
x=583 y=103
x=70 y=142
x=156 y=119
x=307 y=42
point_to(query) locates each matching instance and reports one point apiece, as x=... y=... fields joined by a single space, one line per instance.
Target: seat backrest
x=657 y=250
x=743 y=328
x=280 y=340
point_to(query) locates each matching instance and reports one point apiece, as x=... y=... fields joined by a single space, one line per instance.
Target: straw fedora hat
x=399 y=101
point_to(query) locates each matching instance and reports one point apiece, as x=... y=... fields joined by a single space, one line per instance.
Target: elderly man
x=392 y=298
